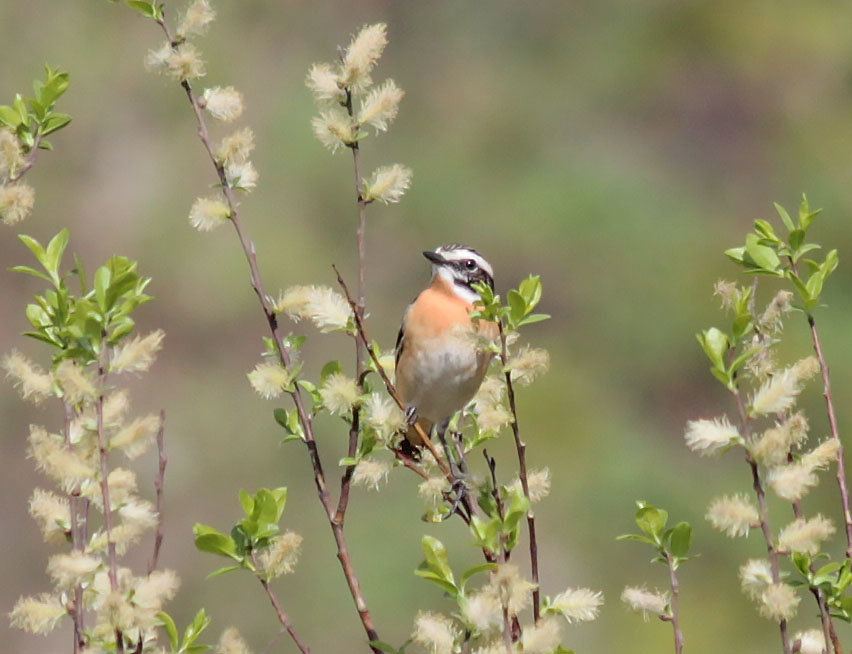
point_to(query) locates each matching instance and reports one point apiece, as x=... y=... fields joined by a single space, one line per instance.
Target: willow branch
x=674 y=618
x=162 y=460
x=763 y=512
x=832 y=420
x=284 y=355
x=104 y=472
x=835 y=433
x=76 y=541
x=283 y=618
x=360 y=236
x=521 y=448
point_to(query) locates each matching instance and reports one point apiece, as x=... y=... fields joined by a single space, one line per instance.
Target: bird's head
x=461 y=267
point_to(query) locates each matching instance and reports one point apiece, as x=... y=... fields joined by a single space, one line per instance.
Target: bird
x=440 y=362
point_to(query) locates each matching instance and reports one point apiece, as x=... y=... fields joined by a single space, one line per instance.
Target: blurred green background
x=614 y=147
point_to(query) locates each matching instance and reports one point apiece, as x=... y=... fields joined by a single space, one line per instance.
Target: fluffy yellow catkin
x=388 y=184
x=362 y=55
x=645 y=601
x=710 y=436
x=371 y=472
x=37 y=615
x=16 y=202
x=269 y=379
x=434 y=631
x=734 y=515
x=33 y=383
x=779 y=393
x=281 y=556
x=138 y=353
x=339 y=393
x=578 y=604
x=232 y=643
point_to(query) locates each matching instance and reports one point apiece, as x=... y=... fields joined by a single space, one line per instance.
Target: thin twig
x=835 y=434
x=832 y=420
x=284 y=355
x=283 y=618
x=104 y=470
x=675 y=604
x=521 y=448
x=763 y=512
x=76 y=542
x=158 y=487
x=354 y=429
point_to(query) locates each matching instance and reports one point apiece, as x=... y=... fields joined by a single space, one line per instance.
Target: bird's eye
x=470 y=264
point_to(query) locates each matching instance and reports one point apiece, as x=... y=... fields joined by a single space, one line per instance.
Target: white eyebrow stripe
x=459 y=254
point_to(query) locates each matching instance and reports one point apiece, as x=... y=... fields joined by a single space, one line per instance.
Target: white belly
x=446 y=375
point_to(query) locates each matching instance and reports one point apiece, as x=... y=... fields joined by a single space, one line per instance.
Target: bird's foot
x=410 y=415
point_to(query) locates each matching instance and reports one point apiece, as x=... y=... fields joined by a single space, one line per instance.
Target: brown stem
x=29 y=163
x=521 y=448
x=763 y=512
x=832 y=420
x=76 y=542
x=284 y=355
x=354 y=430
x=158 y=487
x=283 y=618
x=828 y=632
x=835 y=434
x=675 y=604
x=104 y=470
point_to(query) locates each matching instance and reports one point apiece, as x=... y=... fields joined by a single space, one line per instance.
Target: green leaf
x=246 y=501
x=383 y=646
x=55 y=122
x=641 y=539
x=170 y=627
x=785 y=217
x=55 y=250
x=30 y=271
x=517 y=306
x=797 y=237
x=36 y=248
x=530 y=289
x=194 y=630
x=209 y=539
x=9 y=116
x=761 y=256
x=814 y=285
x=764 y=228
x=482 y=567
x=221 y=571
x=436 y=559
x=37 y=316
x=652 y=520
x=681 y=540
x=736 y=254
x=715 y=344
x=21 y=108
x=147 y=9
x=534 y=317
x=102 y=282
x=330 y=368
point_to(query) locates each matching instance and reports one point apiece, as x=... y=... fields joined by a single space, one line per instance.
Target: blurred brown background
x=614 y=147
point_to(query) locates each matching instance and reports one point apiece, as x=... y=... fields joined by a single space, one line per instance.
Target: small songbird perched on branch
x=439 y=359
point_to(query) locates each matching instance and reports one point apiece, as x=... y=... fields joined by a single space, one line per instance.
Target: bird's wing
x=400 y=338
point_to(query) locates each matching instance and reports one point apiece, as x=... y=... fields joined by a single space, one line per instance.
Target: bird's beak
x=434 y=257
